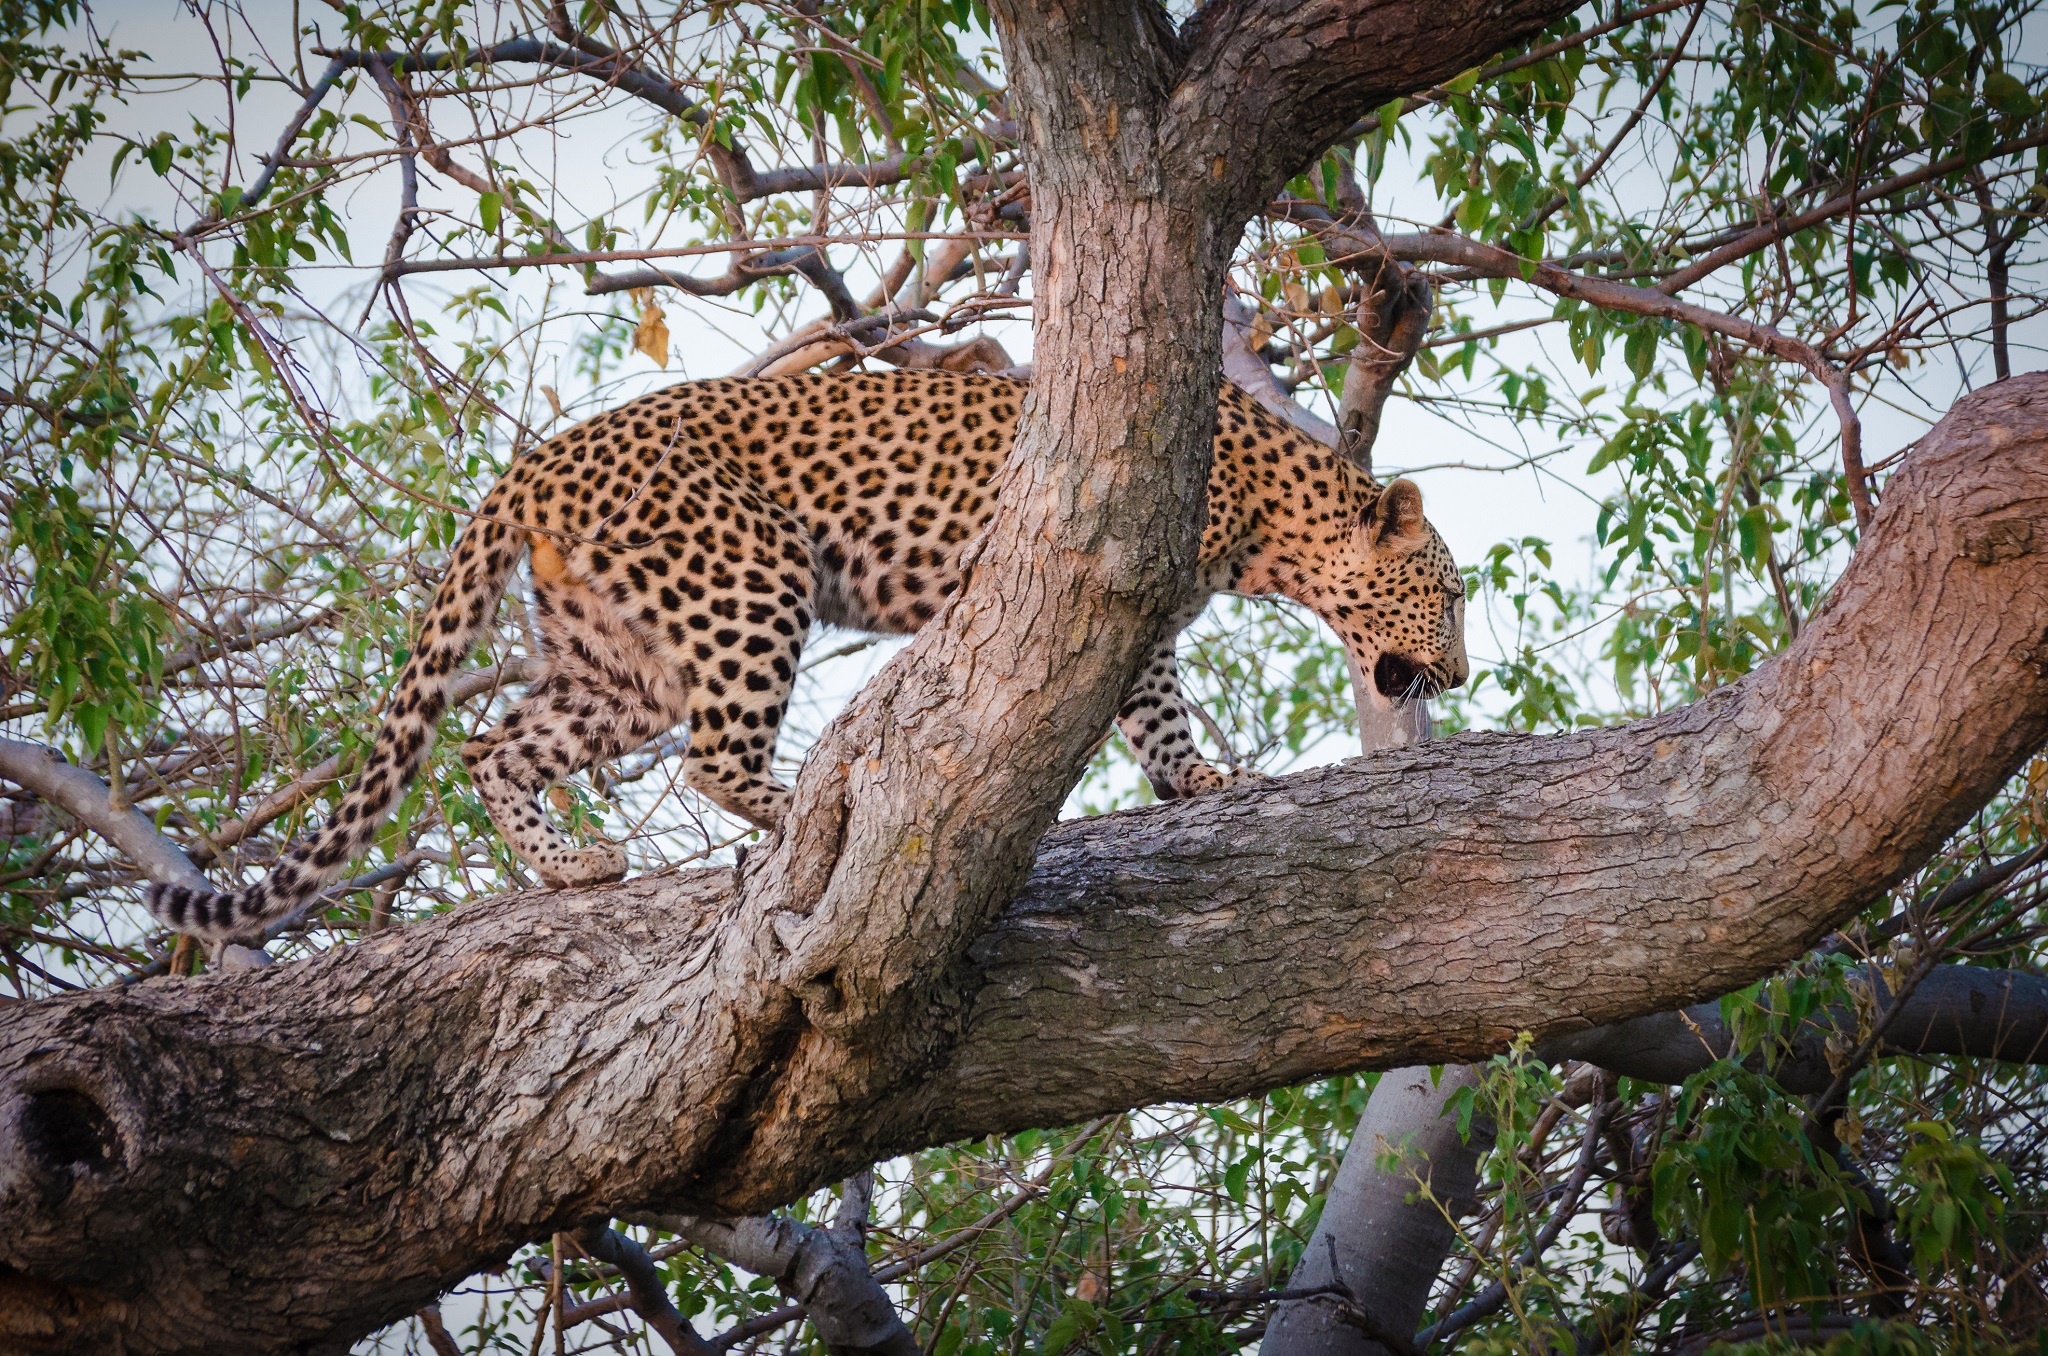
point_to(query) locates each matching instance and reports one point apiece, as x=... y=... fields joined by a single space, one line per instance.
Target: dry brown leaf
x=554 y=401
x=650 y=336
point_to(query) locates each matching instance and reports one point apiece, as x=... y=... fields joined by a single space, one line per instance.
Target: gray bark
x=824 y=1270
x=1956 y=1010
x=1385 y=1227
x=87 y=799
x=1379 y=1245
x=1393 y=318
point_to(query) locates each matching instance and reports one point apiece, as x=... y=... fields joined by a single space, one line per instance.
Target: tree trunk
x=1382 y=1238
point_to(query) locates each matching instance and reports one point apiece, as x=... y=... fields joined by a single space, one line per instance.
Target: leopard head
x=1391 y=591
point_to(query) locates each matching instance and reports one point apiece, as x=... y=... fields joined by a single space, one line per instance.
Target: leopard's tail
x=482 y=561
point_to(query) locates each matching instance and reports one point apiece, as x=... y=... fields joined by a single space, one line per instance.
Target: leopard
x=682 y=546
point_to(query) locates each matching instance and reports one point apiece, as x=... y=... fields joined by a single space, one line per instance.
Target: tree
x=880 y=978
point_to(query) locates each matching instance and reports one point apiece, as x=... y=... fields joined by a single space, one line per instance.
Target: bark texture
x=289 y=1158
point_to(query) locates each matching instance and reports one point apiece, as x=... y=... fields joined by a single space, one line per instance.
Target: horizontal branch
x=629 y=77
x=777 y=255
x=622 y=75
x=1957 y=1010
x=1348 y=239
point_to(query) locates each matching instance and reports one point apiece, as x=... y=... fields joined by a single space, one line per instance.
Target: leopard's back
x=888 y=475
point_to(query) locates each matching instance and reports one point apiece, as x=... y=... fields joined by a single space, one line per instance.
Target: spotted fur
x=683 y=544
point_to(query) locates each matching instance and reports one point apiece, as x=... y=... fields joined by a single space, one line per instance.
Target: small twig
x=1569 y=1200
x=643 y=1282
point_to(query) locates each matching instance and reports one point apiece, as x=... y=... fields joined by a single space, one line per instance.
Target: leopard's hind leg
x=602 y=694
x=725 y=613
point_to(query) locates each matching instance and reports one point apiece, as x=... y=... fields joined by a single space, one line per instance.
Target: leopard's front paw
x=1246 y=776
x=595 y=865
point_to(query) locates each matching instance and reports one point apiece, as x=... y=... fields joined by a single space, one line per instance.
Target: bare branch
x=644 y=1283
x=608 y=69
x=824 y=1270
x=87 y=799
x=1773 y=231
x=1349 y=240
x=1956 y=1010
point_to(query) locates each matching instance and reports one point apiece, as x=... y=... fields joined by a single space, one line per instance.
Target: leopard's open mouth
x=1400 y=679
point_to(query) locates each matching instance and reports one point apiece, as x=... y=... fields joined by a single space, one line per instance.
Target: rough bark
x=292 y=1157
x=916 y=814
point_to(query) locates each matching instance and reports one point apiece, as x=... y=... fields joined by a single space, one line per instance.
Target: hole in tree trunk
x=64 y=1128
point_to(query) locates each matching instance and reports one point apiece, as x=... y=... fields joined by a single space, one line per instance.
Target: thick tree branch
x=1267 y=85
x=1540 y=53
x=1956 y=1010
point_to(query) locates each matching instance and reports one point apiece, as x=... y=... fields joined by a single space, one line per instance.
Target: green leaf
x=1463 y=82
x=489 y=209
x=1236 y=1177
x=2008 y=94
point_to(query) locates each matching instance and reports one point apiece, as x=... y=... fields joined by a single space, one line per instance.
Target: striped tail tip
x=211 y=914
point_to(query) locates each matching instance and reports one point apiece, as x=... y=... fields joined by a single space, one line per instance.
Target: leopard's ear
x=1395 y=519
